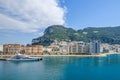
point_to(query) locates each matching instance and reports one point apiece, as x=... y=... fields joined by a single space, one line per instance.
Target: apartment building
x=14 y=48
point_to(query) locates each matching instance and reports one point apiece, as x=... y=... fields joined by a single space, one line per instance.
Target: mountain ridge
x=109 y=35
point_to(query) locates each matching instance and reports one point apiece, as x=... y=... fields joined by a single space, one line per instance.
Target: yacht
x=23 y=57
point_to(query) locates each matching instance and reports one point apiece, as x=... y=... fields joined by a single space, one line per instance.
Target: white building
x=48 y=49
x=95 y=47
x=63 y=46
x=73 y=47
x=79 y=47
x=1 y=47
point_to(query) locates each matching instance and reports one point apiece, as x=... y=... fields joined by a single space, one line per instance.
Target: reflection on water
x=63 y=68
x=59 y=61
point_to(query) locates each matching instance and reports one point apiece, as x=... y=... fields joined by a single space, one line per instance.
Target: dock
x=2 y=59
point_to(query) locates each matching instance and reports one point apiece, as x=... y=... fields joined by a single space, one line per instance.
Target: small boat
x=23 y=57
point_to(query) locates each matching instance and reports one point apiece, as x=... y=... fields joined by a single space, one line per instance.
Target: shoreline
x=71 y=55
x=100 y=55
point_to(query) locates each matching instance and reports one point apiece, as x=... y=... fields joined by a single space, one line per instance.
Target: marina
x=19 y=57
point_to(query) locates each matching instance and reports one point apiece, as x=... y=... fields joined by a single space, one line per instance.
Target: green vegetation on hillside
x=109 y=35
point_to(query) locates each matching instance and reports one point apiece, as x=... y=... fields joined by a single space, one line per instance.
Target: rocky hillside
x=58 y=32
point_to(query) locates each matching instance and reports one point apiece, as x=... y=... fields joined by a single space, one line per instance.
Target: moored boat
x=23 y=57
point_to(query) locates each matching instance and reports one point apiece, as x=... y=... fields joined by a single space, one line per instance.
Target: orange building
x=13 y=48
x=34 y=49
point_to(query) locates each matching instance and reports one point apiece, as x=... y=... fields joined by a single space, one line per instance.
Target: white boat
x=23 y=57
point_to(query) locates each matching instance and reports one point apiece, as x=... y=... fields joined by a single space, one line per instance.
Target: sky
x=23 y=20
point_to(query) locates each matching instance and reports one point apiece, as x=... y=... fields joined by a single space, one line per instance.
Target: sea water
x=63 y=68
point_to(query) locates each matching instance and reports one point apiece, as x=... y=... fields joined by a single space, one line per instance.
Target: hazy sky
x=23 y=20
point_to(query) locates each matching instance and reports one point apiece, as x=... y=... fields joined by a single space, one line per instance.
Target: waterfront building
x=78 y=47
x=51 y=50
x=58 y=47
x=86 y=48
x=54 y=47
x=11 y=48
x=63 y=47
x=107 y=48
x=113 y=48
x=116 y=48
x=95 y=47
x=55 y=50
x=81 y=46
x=1 y=48
x=104 y=48
x=73 y=47
x=34 y=49
x=14 y=48
x=48 y=49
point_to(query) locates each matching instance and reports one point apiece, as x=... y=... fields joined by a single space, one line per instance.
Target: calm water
x=63 y=68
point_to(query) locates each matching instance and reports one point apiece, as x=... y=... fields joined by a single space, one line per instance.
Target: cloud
x=30 y=15
x=7 y=23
